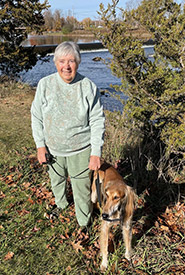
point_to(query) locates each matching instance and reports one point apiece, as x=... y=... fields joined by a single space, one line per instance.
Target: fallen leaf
x=23 y=212
x=50 y=247
x=31 y=201
x=140 y=202
x=9 y=179
x=62 y=237
x=77 y=246
x=9 y=256
x=67 y=219
x=26 y=184
x=164 y=228
x=35 y=229
x=2 y=195
x=68 y=268
x=46 y=215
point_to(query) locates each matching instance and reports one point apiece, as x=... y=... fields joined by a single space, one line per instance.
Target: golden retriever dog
x=117 y=207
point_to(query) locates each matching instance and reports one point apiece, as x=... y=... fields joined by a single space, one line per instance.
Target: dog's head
x=118 y=200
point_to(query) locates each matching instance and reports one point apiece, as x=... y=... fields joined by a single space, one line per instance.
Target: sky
x=81 y=9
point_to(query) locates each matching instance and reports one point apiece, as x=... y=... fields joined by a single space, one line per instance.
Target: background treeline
x=56 y=21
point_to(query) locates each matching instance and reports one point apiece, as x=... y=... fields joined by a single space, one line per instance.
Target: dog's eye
x=116 y=197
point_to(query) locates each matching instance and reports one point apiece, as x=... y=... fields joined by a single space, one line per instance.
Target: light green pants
x=81 y=186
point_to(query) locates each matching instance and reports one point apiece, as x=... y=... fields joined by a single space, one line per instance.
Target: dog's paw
x=103 y=266
x=128 y=256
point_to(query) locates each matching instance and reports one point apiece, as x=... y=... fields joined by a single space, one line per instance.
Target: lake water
x=56 y=39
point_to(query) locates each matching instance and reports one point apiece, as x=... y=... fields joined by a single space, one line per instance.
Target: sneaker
x=55 y=212
x=86 y=229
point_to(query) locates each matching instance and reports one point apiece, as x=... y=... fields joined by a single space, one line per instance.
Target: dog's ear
x=129 y=203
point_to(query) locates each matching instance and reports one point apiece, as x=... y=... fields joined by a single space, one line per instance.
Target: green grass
x=30 y=243
x=15 y=131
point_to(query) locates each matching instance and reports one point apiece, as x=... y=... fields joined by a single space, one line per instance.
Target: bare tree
x=87 y=22
x=49 y=20
x=58 y=23
x=132 y=4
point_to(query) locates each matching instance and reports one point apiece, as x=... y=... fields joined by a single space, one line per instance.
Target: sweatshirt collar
x=76 y=79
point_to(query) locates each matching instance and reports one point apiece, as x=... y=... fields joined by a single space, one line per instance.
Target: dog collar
x=111 y=220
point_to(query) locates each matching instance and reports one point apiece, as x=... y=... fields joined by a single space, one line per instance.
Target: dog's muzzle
x=106 y=217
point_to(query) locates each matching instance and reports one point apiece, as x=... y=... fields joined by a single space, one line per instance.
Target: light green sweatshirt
x=67 y=118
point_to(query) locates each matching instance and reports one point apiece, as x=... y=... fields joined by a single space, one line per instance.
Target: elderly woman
x=68 y=123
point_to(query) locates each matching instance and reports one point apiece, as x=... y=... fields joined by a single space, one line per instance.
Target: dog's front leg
x=94 y=196
x=104 y=236
x=127 y=236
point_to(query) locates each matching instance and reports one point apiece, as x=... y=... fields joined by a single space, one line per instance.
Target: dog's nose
x=105 y=216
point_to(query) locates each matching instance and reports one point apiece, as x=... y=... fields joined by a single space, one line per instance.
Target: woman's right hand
x=41 y=155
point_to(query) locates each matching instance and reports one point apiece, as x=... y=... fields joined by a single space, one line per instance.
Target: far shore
x=141 y=33
x=74 y=33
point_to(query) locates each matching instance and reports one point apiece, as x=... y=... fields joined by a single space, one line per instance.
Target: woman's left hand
x=94 y=163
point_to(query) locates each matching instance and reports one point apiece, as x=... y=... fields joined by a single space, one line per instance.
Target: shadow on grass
x=154 y=195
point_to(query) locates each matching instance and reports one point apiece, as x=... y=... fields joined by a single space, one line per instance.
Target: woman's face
x=67 y=67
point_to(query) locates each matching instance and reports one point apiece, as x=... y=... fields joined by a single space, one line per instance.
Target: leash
x=50 y=160
x=72 y=177
x=98 y=188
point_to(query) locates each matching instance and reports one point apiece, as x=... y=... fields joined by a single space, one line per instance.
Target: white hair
x=66 y=48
